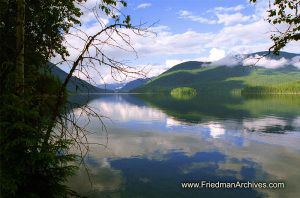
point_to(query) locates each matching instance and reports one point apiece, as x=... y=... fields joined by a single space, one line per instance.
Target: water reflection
x=156 y=143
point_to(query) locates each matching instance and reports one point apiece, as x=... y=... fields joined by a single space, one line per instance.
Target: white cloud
x=229 y=19
x=184 y=14
x=227 y=9
x=167 y=43
x=214 y=54
x=143 y=5
x=90 y=8
x=265 y=62
x=151 y=70
x=261 y=8
x=230 y=61
x=243 y=38
x=235 y=39
x=173 y=62
x=272 y=63
x=296 y=61
x=221 y=15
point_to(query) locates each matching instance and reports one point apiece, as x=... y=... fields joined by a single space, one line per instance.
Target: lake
x=157 y=142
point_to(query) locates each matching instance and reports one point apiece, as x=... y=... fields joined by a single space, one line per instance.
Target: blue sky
x=191 y=15
x=202 y=30
x=167 y=12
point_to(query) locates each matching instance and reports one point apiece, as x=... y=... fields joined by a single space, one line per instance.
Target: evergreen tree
x=31 y=33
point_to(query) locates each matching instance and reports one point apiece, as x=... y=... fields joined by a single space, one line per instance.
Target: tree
x=20 y=45
x=36 y=129
x=285 y=12
x=44 y=27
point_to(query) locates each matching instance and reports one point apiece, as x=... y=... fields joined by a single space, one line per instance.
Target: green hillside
x=190 y=65
x=224 y=79
x=206 y=107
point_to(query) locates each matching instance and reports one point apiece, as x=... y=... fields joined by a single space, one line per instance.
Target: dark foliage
x=34 y=152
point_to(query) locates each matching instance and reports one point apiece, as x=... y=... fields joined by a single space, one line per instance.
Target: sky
x=201 y=30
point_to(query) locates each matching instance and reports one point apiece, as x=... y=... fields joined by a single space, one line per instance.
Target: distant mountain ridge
x=189 y=65
x=286 y=55
x=111 y=86
x=75 y=85
x=125 y=87
x=206 y=77
x=134 y=84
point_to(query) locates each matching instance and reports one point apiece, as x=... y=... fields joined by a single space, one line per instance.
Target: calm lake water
x=157 y=142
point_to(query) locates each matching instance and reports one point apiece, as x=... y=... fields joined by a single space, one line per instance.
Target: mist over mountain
x=232 y=73
x=260 y=59
x=270 y=69
x=111 y=86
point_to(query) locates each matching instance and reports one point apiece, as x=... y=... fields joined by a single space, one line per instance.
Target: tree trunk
x=20 y=46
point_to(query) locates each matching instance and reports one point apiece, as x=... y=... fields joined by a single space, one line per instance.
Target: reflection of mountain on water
x=278 y=129
x=276 y=114
x=200 y=108
x=151 y=149
x=126 y=98
x=277 y=105
x=207 y=108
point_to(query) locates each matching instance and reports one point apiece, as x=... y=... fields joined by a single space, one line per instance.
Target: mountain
x=189 y=65
x=226 y=75
x=124 y=87
x=134 y=84
x=75 y=84
x=286 y=55
x=238 y=59
x=112 y=86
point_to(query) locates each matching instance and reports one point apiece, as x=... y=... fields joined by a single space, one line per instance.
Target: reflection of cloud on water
x=129 y=144
x=170 y=122
x=296 y=122
x=126 y=112
x=261 y=124
x=104 y=179
x=198 y=165
x=231 y=168
x=265 y=156
x=216 y=130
